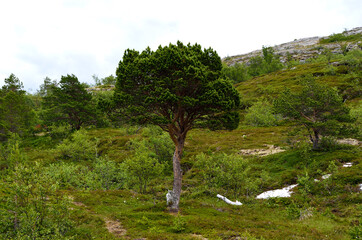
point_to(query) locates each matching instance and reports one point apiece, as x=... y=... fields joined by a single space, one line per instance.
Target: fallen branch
x=228 y=201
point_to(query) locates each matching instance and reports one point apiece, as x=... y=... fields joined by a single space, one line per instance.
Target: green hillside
x=109 y=180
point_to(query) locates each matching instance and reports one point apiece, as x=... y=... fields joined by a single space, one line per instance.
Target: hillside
x=110 y=181
x=306 y=48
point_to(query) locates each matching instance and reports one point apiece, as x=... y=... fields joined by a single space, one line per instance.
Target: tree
x=267 y=63
x=69 y=103
x=16 y=110
x=176 y=87
x=110 y=80
x=13 y=84
x=46 y=87
x=317 y=107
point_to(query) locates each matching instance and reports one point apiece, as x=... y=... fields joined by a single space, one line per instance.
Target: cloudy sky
x=51 y=38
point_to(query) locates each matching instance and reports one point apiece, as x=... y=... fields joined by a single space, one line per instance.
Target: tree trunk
x=315 y=139
x=177 y=175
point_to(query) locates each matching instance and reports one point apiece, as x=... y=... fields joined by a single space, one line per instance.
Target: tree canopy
x=16 y=110
x=68 y=103
x=317 y=107
x=176 y=87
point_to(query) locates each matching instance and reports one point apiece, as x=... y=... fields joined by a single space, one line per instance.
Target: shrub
x=59 y=132
x=142 y=167
x=179 y=224
x=236 y=73
x=339 y=37
x=159 y=145
x=261 y=115
x=30 y=207
x=106 y=175
x=356 y=112
x=78 y=147
x=226 y=171
x=68 y=175
x=103 y=174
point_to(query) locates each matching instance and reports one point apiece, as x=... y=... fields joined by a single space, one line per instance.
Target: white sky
x=52 y=38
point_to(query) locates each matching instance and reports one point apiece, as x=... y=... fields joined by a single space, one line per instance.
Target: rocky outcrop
x=300 y=49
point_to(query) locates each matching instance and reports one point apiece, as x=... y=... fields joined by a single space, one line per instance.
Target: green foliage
x=340 y=37
x=179 y=224
x=266 y=63
x=258 y=65
x=356 y=113
x=142 y=167
x=158 y=144
x=236 y=73
x=13 y=84
x=305 y=185
x=261 y=115
x=59 y=132
x=356 y=231
x=229 y=172
x=317 y=107
x=45 y=89
x=110 y=80
x=329 y=182
x=68 y=175
x=102 y=174
x=178 y=82
x=16 y=110
x=106 y=175
x=30 y=207
x=78 y=147
x=69 y=103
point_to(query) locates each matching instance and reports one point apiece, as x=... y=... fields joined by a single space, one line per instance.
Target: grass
x=335 y=206
x=208 y=217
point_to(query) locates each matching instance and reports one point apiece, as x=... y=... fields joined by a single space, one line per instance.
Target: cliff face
x=301 y=49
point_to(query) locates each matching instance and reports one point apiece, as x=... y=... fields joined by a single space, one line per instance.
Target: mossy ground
x=333 y=212
x=334 y=207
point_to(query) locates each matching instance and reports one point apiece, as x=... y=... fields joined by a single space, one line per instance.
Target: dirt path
x=113 y=227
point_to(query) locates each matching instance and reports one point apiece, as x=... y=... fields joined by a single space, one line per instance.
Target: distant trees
x=46 y=87
x=266 y=63
x=16 y=110
x=68 y=103
x=175 y=87
x=317 y=107
x=110 y=80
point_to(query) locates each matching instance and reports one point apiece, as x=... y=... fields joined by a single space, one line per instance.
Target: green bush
x=78 y=147
x=30 y=207
x=68 y=175
x=159 y=145
x=261 y=115
x=356 y=112
x=106 y=175
x=142 y=167
x=179 y=224
x=339 y=37
x=102 y=174
x=236 y=73
x=59 y=132
x=228 y=172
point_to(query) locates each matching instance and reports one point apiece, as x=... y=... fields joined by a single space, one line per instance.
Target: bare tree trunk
x=315 y=139
x=177 y=175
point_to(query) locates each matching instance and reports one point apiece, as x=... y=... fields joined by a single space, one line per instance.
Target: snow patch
x=228 y=201
x=284 y=192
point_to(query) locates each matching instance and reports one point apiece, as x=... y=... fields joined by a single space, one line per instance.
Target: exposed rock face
x=299 y=49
